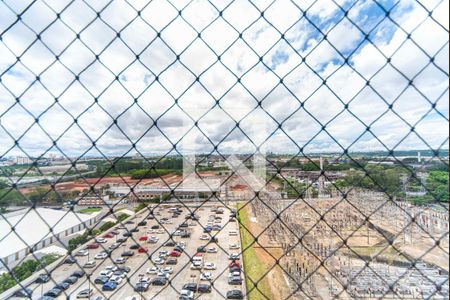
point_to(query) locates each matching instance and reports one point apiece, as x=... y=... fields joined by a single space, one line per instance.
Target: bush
x=25 y=270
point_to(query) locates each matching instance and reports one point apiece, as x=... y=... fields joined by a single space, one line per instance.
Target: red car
x=142 y=250
x=199 y=255
x=143 y=238
x=234 y=264
x=93 y=246
x=174 y=254
x=108 y=236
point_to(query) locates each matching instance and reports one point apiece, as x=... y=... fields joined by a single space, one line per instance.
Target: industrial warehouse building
x=32 y=231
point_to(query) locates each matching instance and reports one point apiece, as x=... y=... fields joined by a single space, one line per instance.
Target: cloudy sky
x=292 y=74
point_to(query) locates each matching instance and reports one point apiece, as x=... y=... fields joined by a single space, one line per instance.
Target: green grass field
x=254 y=268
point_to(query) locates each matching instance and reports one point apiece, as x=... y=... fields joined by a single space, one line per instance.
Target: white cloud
x=157 y=99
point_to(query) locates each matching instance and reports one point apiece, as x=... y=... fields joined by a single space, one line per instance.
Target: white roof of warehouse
x=30 y=226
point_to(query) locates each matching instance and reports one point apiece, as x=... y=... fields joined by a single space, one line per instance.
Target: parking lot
x=147 y=261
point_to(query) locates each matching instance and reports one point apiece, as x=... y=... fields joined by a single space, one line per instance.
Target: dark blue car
x=109 y=286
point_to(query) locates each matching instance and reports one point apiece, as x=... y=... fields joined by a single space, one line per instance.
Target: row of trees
x=126 y=166
x=88 y=234
x=40 y=195
x=25 y=270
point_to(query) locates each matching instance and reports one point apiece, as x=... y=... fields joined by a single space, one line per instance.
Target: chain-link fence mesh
x=224 y=149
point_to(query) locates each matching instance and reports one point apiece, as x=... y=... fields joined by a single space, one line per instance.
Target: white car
x=83 y=252
x=212 y=250
x=234 y=256
x=111 y=268
x=114 y=246
x=210 y=266
x=101 y=255
x=153 y=270
x=116 y=279
x=187 y=294
x=204 y=238
x=161 y=274
x=106 y=273
x=86 y=293
x=234 y=246
x=234 y=274
x=168 y=270
x=120 y=260
x=145 y=279
x=100 y=240
x=196 y=266
x=89 y=265
x=206 y=276
x=159 y=261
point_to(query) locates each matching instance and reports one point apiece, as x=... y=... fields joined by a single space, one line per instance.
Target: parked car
x=114 y=246
x=70 y=260
x=89 y=265
x=93 y=246
x=206 y=277
x=127 y=254
x=71 y=280
x=101 y=280
x=42 y=278
x=135 y=247
x=109 y=286
x=172 y=261
x=212 y=250
x=210 y=266
x=143 y=238
x=234 y=280
x=23 y=293
x=192 y=286
x=107 y=273
x=234 y=256
x=142 y=250
x=124 y=269
x=159 y=261
x=153 y=240
x=78 y=273
x=54 y=292
x=86 y=293
x=116 y=279
x=100 y=240
x=201 y=249
x=204 y=288
x=186 y=295
x=169 y=244
x=83 y=252
x=234 y=247
x=101 y=255
x=174 y=253
x=235 y=294
x=141 y=287
x=153 y=270
x=108 y=235
x=62 y=286
x=159 y=281
x=120 y=260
